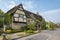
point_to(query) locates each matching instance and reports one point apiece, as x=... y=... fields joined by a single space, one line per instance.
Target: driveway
x=44 y=35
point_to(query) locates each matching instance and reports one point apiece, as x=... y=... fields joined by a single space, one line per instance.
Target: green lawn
x=0 y=37
x=27 y=34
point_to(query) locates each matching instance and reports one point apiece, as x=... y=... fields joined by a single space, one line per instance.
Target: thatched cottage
x=21 y=17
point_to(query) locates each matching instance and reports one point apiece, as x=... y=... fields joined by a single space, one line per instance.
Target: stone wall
x=18 y=25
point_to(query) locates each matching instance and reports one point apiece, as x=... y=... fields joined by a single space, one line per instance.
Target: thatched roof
x=27 y=13
x=14 y=9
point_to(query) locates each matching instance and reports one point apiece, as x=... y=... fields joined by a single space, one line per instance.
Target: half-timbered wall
x=19 y=17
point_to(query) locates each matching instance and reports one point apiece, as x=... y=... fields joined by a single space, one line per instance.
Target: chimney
x=37 y=13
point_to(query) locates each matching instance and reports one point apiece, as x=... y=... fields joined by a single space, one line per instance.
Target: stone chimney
x=37 y=13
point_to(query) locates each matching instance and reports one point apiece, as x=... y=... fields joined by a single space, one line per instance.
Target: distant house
x=21 y=17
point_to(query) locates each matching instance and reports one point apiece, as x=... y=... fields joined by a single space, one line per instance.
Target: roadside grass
x=0 y=37
x=27 y=34
x=20 y=34
x=8 y=37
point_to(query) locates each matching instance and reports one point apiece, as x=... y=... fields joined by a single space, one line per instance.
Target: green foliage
x=23 y=28
x=1 y=12
x=7 y=18
x=30 y=31
x=50 y=25
x=1 y=17
x=10 y=28
x=31 y=26
x=8 y=31
x=12 y=31
x=43 y=24
x=0 y=32
x=36 y=20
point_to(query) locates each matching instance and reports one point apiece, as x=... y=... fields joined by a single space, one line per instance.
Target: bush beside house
x=50 y=25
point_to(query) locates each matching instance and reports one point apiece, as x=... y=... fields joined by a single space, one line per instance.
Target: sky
x=48 y=9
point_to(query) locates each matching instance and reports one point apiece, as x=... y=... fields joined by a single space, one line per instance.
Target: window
x=16 y=15
x=16 y=19
x=24 y=16
x=19 y=17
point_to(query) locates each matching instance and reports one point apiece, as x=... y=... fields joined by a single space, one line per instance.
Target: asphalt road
x=44 y=35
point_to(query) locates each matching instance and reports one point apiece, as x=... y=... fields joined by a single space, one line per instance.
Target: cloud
x=29 y=5
x=10 y=4
x=6 y=5
x=52 y=11
x=52 y=15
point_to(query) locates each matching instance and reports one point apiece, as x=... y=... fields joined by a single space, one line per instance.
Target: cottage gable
x=20 y=12
x=21 y=17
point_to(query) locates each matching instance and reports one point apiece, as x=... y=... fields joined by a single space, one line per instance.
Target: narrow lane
x=44 y=35
x=39 y=36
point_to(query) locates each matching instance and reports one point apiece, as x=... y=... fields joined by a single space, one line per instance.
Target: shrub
x=31 y=26
x=0 y=32
x=50 y=26
x=12 y=31
x=43 y=24
x=8 y=31
x=30 y=31
x=10 y=28
x=15 y=31
x=22 y=29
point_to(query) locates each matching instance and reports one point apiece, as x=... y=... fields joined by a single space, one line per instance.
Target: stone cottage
x=21 y=17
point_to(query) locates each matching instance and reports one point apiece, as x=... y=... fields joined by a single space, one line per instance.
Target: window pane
x=16 y=19
x=20 y=19
x=16 y=15
x=21 y=15
x=24 y=20
x=24 y=16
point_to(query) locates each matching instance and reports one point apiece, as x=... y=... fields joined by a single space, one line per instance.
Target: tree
x=7 y=18
x=1 y=18
x=31 y=26
x=43 y=24
x=50 y=25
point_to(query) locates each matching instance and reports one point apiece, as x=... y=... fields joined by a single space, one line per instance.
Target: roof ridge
x=15 y=7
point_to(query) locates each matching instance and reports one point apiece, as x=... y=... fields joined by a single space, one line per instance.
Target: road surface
x=44 y=35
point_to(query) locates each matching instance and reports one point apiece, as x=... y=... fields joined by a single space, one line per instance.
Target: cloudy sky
x=49 y=9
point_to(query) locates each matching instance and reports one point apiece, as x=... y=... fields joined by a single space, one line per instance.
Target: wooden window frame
x=19 y=17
